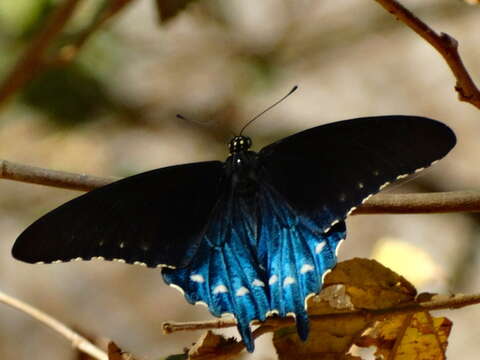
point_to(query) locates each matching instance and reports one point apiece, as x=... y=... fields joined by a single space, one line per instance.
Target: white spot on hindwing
x=306 y=268
x=242 y=291
x=257 y=282
x=197 y=278
x=273 y=279
x=220 y=289
x=319 y=247
x=121 y=245
x=272 y=312
x=288 y=281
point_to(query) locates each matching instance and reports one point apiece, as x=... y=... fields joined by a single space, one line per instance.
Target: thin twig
x=446 y=45
x=78 y=341
x=32 y=60
x=442 y=202
x=60 y=179
x=437 y=303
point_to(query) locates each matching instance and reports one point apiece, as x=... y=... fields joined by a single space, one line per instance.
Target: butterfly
x=254 y=235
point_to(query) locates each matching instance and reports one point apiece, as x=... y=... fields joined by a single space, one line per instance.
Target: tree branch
x=32 y=60
x=446 y=45
x=78 y=341
x=442 y=202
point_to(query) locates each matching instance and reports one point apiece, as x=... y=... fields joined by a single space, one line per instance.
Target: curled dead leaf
x=213 y=346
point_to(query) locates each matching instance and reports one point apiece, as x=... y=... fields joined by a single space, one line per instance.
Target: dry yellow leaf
x=353 y=284
x=371 y=285
x=409 y=337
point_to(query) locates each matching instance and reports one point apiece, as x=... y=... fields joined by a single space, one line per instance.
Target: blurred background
x=111 y=112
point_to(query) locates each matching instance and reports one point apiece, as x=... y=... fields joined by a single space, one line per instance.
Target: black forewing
x=327 y=170
x=156 y=218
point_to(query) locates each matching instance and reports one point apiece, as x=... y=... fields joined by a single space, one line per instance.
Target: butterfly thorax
x=241 y=166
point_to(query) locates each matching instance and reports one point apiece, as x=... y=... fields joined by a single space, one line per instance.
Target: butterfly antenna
x=202 y=123
x=267 y=109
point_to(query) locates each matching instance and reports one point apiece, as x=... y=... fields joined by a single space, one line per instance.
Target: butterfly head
x=239 y=144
